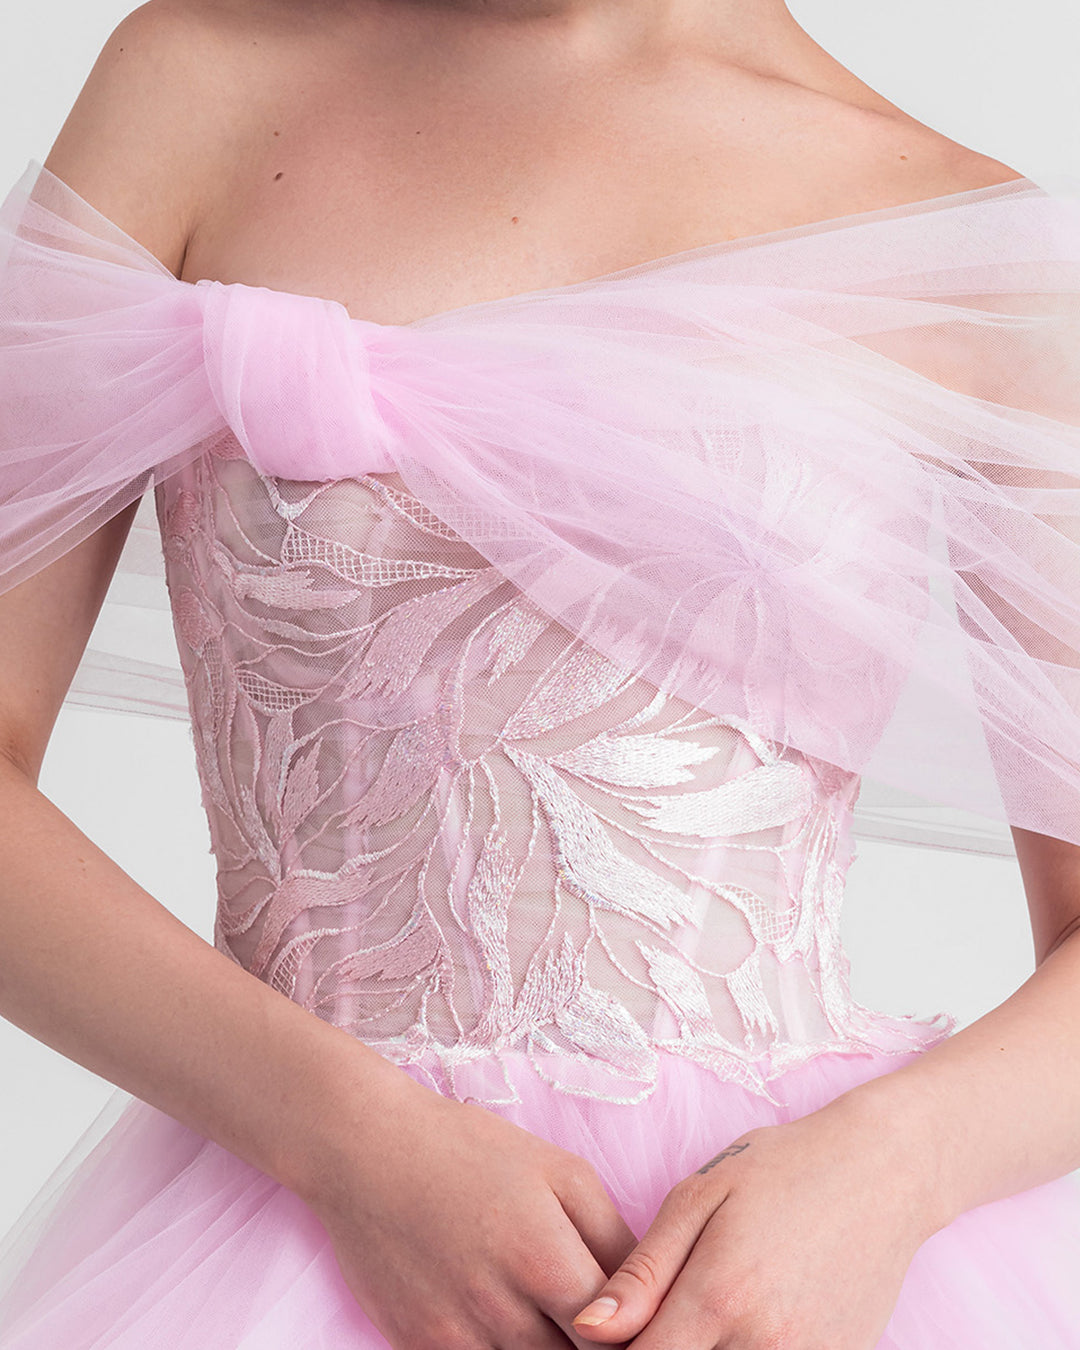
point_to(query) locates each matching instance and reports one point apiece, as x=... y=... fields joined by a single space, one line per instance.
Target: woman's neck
x=737 y=26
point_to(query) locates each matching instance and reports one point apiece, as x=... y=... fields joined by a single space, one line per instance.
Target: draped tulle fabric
x=536 y=653
x=212 y=1254
x=827 y=479
x=180 y=1244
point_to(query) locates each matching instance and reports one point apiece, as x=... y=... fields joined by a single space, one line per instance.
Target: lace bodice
x=450 y=828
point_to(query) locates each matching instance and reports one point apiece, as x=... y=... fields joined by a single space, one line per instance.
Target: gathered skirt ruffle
x=160 y=1237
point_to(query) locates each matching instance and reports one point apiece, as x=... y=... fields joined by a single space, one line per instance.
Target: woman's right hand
x=456 y=1229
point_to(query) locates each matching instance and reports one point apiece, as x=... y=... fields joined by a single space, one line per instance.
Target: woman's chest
x=417 y=197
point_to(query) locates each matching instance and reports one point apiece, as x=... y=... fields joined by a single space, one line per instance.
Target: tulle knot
x=291 y=375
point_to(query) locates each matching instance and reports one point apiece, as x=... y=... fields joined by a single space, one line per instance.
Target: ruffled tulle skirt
x=161 y=1238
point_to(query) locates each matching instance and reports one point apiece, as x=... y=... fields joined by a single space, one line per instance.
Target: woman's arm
x=450 y=1224
x=92 y=964
x=96 y=968
x=1023 y=1055
x=801 y=1234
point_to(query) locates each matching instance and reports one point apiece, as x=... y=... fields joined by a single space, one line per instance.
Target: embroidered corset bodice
x=447 y=826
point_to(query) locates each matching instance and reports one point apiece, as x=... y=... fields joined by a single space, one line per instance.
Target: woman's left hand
x=795 y=1235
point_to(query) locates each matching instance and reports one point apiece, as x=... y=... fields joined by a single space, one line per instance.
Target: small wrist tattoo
x=727 y=1153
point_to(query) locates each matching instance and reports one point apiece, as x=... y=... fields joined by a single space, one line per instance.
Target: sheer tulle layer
x=164 y=1238
x=824 y=479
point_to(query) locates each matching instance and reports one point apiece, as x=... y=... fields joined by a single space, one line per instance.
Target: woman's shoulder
x=159 y=118
x=894 y=152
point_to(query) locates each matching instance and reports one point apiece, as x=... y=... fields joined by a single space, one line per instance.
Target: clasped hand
x=794 y=1237
x=458 y=1230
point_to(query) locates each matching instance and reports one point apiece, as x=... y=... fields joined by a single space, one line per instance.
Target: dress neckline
x=1020 y=186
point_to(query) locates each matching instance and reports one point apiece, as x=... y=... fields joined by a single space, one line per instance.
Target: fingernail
x=598 y=1311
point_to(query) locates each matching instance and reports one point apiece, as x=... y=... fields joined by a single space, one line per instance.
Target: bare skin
x=405 y=158
x=457 y=159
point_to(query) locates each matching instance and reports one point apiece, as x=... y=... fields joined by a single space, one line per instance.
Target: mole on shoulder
x=279 y=175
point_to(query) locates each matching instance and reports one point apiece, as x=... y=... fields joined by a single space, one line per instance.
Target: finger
x=603 y=1229
x=563 y=1314
x=545 y=1335
x=633 y=1294
x=703 y=1309
x=566 y=1279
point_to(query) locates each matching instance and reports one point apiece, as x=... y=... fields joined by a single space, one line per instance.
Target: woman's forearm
x=95 y=967
x=995 y=1108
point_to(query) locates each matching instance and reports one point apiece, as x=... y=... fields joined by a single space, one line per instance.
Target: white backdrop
x=925 y=930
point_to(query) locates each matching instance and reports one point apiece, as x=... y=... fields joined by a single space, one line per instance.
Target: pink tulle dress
x=535 y=654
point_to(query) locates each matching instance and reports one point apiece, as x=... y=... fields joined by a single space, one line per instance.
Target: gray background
x=925 y=930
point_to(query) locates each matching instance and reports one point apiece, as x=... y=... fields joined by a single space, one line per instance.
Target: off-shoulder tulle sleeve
x=103 y=392
x=825 y=479
x=101 y=370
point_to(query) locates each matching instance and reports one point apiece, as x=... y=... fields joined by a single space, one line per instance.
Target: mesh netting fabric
x=824 y=479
